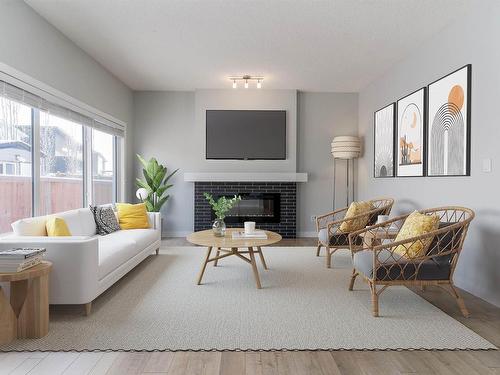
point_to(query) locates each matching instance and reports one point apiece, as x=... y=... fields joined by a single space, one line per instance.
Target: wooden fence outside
x=57 y=194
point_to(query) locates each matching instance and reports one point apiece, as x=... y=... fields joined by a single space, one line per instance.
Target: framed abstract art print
x=384 y=142
x=448 y=144
x=410 y=139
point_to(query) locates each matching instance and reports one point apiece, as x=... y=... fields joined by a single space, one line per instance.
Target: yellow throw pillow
x=355 y=209
x=132 y=216
x=56 y=227
x=415 y=225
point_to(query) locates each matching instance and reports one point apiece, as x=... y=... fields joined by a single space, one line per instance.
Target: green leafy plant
x=155 y=182
x=222 y=205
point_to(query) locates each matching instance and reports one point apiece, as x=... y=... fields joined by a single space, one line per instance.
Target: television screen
x=246 y=134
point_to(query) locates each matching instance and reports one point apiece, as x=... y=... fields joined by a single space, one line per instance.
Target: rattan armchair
x=328 y=227
x=378 y=262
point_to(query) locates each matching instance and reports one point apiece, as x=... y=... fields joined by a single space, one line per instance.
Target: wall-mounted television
x=246 y=134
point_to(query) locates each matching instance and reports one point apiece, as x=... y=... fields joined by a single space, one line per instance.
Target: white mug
x=249 y=227
x=382 y=218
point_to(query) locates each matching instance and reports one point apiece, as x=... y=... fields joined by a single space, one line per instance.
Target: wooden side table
x=376 y=236
x=27 y=313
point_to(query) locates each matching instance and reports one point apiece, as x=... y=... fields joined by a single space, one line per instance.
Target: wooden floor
x=485 y=320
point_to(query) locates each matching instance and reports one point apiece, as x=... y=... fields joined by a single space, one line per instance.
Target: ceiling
x=336 y=45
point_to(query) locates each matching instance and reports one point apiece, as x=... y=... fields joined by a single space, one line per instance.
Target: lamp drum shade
x=346 y=147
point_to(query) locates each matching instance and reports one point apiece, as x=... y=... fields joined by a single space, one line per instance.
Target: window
x=103 y=167
x=53 y=157
x=15 y=162
x=61 y=164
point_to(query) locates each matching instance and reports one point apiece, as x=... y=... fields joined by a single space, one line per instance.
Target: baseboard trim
x=307 y=234
x=182 y=233
x=179 y=233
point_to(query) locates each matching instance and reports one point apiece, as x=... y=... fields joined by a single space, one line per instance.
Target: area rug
x=302 y=305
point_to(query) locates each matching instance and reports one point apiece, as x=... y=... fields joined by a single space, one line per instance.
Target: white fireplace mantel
x=245 y=177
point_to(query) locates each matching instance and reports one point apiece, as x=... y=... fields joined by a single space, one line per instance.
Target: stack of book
x=258 y=235
x=17 y=260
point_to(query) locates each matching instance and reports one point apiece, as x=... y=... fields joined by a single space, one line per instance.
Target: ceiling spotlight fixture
x=246 y=78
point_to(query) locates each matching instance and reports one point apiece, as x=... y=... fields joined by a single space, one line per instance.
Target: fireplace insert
x=258 y=207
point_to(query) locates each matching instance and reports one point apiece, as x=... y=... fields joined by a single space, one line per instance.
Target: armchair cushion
x=338 y=239
x=355 y=209
x=416 y=224
x=437 y=268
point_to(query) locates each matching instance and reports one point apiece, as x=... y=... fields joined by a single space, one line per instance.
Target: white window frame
x=117 y=180
x=35 y=162
x=87 y=166
x=120 y=169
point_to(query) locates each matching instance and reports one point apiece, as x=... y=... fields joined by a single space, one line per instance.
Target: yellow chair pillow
x=415 y=225
x=355 y=209
x=56 y=227
x=132 y=216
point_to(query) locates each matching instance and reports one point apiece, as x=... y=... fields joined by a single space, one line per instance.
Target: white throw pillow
x=80 y=222
x=88 y=226
x=32 y=226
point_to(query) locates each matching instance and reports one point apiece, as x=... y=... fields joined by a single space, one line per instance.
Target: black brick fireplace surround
x=287 y=224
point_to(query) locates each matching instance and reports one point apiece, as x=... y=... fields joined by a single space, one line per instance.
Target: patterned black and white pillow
x=105 y=219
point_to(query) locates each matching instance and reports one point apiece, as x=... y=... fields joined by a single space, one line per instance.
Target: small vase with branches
x=220 y=207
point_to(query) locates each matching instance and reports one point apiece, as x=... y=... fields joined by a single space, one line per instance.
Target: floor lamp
x=348 y=148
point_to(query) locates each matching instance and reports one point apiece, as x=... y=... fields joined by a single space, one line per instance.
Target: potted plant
x=155 y=184
x=220 y=208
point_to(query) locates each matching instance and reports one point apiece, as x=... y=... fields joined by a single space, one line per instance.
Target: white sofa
x=85 y=264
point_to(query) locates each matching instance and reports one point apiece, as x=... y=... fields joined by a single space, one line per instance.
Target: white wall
x=32 y=46
x=473 y=40
x=322 y=116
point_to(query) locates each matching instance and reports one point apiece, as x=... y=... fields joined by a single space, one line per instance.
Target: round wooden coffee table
x=27 y=313
x=227 y=246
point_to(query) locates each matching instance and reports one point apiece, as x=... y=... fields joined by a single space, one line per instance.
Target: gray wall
x=170 y=126
x=322 y=116
x=470 y=41
x=31 y=45
x=165 y=129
